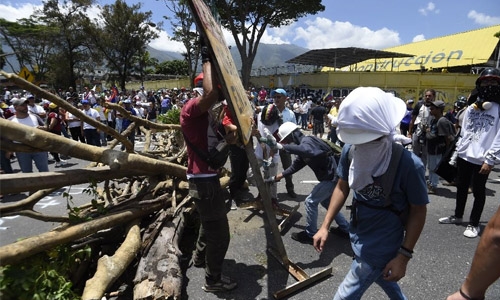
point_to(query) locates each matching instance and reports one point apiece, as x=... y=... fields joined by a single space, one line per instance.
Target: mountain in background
x=268 y=55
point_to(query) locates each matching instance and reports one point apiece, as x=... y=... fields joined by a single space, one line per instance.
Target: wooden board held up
x=224 y=65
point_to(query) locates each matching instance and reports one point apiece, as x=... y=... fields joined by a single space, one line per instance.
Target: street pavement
x=441 y=260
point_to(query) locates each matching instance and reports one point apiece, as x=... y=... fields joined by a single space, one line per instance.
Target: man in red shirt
x=200 y=129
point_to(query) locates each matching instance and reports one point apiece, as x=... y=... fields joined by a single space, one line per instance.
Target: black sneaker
x=225 y=284
x=302 y=237
x=291 y=193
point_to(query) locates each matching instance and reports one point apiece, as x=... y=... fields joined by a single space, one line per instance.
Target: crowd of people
x=375 y=129
x=390 y=183
x=23 y=107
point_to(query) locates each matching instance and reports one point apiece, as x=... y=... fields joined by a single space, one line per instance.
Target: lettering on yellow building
x=414 y=62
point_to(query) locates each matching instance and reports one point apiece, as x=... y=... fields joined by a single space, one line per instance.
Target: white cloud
x=430 y=8
x=164 y=43
x=418 y=38
x=323 y=33
x=482 y=19
x=13 y=12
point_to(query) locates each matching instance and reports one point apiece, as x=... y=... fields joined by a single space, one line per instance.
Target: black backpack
x=386 y=180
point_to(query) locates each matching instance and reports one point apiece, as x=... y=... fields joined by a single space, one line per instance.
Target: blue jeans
x=303 y=120
x=432 y=162
x=360 y=277
x=321 y=193
x=25 y=161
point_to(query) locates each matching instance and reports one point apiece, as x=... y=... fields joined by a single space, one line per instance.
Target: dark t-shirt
x=417 y=107
x=440 y=130
x=318 y=113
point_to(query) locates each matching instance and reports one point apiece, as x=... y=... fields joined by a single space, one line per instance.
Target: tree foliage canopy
x=173 y=67
x=121 y=36
x=183 y=31
x=248 y=20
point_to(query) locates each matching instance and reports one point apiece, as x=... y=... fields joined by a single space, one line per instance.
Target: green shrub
x=42 y=276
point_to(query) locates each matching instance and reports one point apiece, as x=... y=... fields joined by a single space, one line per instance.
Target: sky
x=354 y=23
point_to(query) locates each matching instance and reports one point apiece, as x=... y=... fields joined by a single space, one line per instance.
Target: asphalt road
x=441 y=260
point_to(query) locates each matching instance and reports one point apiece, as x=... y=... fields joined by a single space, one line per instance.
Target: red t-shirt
x=196 y=127
x=228 y=118
x=58 y=127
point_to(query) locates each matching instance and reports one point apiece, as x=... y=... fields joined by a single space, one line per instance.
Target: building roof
x=471 y=48
x=342 y=57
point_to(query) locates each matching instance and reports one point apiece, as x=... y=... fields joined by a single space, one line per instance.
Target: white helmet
x=285 y=129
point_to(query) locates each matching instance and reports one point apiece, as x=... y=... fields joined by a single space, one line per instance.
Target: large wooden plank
x=224 y=64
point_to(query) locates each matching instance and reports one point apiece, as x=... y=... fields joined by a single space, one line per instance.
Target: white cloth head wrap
x=368 y=113
x=365 y=115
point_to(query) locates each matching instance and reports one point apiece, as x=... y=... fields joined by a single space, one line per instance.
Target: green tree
x=173 y=67
x=248 y=20
x=31 y=43
x=121 y=35
x=145 y=65
x=71 y=52
x=182 y=26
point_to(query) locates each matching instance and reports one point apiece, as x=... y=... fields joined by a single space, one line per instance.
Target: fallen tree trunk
x=23 y=182
x=159 y=275
x=109 y=269
x=117 y=160
x=13 y=253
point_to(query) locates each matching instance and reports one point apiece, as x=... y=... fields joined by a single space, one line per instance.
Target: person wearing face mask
x=478 y=150
x=390 y=195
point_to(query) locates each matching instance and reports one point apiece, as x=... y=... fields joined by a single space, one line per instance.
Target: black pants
x=286 y=161
x=76 y=134
x=92 y=137
x=239 y=167
x=5 y=163
x=213 y=238
x=466 y=172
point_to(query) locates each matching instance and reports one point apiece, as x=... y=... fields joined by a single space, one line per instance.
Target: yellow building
x=467 y=49
x=448 y=64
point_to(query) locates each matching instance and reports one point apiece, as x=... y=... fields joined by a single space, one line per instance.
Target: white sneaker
x=471 y=231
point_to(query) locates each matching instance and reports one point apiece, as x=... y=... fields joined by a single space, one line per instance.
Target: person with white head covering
x=390 y=193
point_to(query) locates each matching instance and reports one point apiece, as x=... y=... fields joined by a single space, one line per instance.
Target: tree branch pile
x=140 y=195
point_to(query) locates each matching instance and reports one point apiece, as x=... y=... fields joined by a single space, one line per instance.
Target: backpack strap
x=201 y=153
x=387 y=182
x=387 y=179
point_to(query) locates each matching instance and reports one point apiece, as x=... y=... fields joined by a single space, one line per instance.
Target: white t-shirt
x=93 y=114
x=73 y=123
x=36 y=109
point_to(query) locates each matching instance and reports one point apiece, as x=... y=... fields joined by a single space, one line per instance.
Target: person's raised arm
x=485 y=267
x=210 y=82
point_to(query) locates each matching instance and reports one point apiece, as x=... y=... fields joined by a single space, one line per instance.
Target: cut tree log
x=159 y=275
x=117 y=160
x=109 y=269
x=15 y=252
x=23 y=182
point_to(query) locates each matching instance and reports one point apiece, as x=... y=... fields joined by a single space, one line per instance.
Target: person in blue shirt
x=386 y=220
x=127 y=103
x=404 y=127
